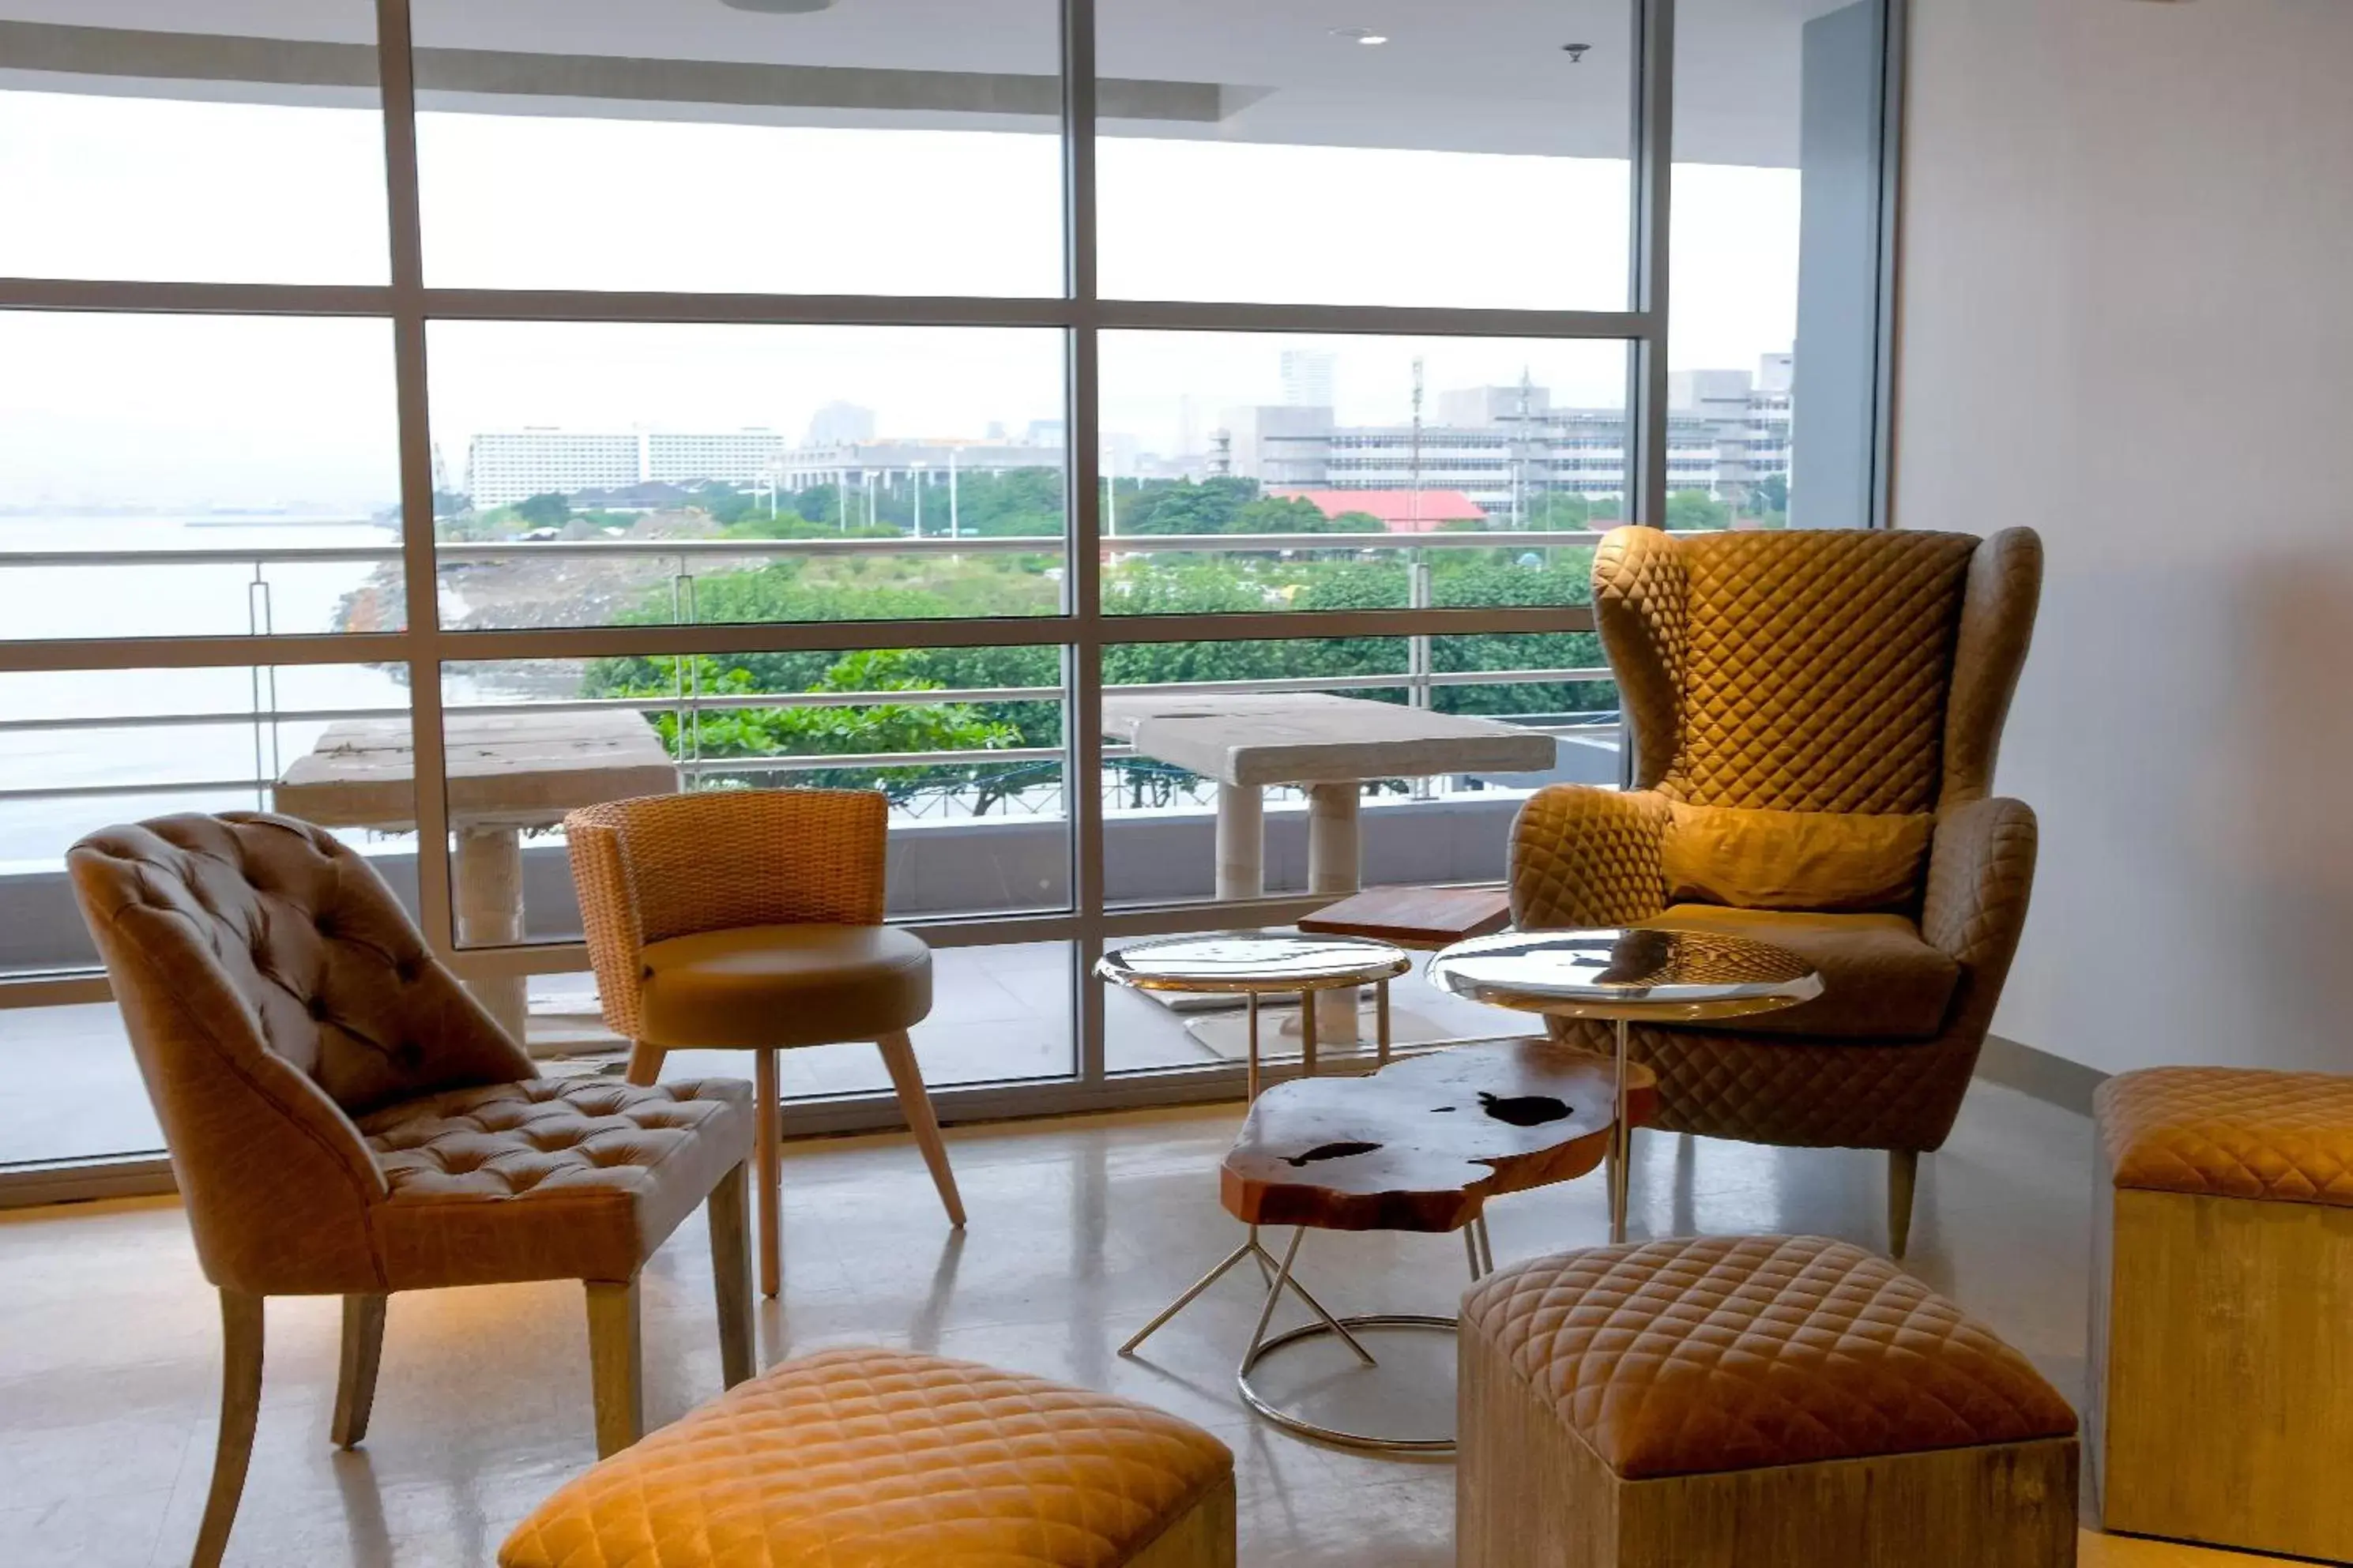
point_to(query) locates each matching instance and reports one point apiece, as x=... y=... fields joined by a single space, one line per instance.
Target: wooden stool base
x=1531 y=1494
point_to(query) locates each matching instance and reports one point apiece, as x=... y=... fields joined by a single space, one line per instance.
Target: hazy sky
x=185 y=411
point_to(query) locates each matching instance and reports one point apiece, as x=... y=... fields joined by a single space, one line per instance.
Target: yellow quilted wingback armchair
x=752 y=920
x=1815 y=718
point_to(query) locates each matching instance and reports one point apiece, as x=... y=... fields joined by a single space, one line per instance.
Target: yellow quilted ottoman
x=2223 y=1309
x=871 y=1459
x=1749 y=1402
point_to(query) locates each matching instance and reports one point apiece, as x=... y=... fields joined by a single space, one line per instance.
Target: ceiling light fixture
x=779 y=8
x=1365 y=35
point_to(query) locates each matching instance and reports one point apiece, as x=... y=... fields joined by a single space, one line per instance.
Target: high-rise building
x=1307 y=378
x=503 y=466
x=838 y=423
x=1506 y=445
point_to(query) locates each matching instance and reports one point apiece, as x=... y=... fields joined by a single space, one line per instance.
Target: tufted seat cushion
x=1879 y=980
x=780 y=985
x=880 y=1460
x=547 y=1178
x=1735 y=1352
x=2231 y=1133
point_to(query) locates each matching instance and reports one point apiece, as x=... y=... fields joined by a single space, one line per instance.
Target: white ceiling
x=1486 y=75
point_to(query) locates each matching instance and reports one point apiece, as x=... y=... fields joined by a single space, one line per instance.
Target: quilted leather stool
x=2223 y=1309
x=888 y=1460
x=1750 y=1402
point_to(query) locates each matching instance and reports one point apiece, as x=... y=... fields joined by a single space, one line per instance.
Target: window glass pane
x=180 y=475
x=1775 y=260
x=1000 y=1013
x=83 y=749
x=1445 y=826
x=617 y=474
x=977 y=820
x=70 y=1087
x=873 y=147
x=194 y=143
x=1410 y=454
x=1459 y=154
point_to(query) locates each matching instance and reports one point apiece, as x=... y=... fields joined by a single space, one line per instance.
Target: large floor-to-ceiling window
x=861 y=392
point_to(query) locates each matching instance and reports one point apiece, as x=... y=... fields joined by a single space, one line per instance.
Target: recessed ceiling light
x=779 y=8
x=1365 y=35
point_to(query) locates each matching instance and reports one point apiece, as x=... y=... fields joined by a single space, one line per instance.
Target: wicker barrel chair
x=1815 y=719
x=751 y=920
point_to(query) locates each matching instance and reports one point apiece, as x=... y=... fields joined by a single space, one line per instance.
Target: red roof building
x=1401 y=512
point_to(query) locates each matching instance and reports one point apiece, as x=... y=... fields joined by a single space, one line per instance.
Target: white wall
x=2127 y=320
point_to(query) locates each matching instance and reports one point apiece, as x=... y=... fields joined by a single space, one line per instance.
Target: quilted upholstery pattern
x=582 y=1178
x=1732 y=1353
x=1585 y=856
x=1827 y=694
x=873 y=1458
x=2231 y=1133
x=1795 y=1092
x=1816 y=669
x=1642 y=594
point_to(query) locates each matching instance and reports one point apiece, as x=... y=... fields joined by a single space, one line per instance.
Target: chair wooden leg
x=1903 y=1173
x=768 y=1135
x=645 y=1062
x=240 y=1404
x=615 y=1364
x=915 y=1100
x=731 y=1273
x=355 y=1380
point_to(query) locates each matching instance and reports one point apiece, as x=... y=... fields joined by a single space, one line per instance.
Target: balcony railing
x=1420 y=680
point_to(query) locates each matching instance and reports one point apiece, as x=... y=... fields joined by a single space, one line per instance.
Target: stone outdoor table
x=507 y=773
x=1331 y=746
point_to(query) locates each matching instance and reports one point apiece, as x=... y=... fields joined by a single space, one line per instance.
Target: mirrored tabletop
x=1638 y=974
x=1242 y=961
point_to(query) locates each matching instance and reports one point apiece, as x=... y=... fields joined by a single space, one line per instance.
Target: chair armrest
x=1588 y=856
x=1980 y=872
x=600 y=876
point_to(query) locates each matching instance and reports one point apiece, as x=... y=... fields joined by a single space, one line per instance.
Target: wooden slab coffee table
x=1420 y=1145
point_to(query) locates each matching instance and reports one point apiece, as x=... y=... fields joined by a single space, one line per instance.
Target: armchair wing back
x=1855 y=671
x=796 y=857
x=1815 y=718
x=275 y=989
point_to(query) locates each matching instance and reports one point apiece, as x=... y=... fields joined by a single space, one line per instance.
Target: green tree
x=1696 y=510
x=547 y=510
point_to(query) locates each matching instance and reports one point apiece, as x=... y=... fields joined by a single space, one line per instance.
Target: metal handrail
x=889 y=545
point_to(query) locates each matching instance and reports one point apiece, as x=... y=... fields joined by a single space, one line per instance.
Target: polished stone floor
x=1080 y=1228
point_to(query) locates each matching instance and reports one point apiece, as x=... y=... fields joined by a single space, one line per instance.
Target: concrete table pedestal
x=1330 y=745
x=507 y=774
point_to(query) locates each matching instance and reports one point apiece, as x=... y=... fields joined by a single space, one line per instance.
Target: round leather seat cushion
x=780 y=985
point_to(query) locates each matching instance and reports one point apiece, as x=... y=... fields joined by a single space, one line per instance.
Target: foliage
x=546 y=510
x=804 y=731
x=1691 y=510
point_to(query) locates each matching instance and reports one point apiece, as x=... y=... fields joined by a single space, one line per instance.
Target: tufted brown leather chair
x=1815 y=718
x=345 y=1119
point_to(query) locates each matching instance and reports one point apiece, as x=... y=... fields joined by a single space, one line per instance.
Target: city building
x=1307 y=378
x=503 y=466
x=1504 y=446
x=840 y=422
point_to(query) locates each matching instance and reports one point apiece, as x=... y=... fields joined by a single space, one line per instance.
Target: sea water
x=39 y=603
